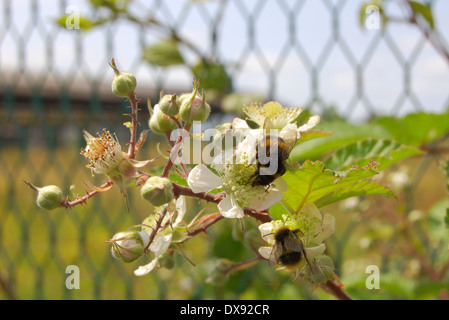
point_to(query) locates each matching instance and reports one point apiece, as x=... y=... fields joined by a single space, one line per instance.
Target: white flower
x=273 y=115
x=234 y=172
x=163 y=239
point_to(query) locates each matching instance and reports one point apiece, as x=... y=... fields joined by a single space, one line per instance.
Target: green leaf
x=345 y=133
x=315 y=184
x=313 y=134
x=416 y=129
x=423 y=11
x=383 y=151
x=212 y=76
x=163 y=53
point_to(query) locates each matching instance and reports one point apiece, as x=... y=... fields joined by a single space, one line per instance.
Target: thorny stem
x=71 y=204
x=204 y=226
x=156 y=227
x=336 y=290
x=243 y=265
x=134 y=109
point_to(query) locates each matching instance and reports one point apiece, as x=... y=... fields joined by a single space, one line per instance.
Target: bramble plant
x=244 y=169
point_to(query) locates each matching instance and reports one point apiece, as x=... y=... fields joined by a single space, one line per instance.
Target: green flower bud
x=49 y=197
x=169 y=104
x=160 y=124
x=129 y=245
x=167 y=261
x=124 y=83
x=157 y=191
x=194 y=107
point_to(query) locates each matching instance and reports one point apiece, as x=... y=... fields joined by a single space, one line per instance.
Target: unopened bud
x=129 y=245
x=159 y=123
x=194 y=107
x=169 y=104
x=49 y=197
x=167 y=261
x=124 y=83
x=158 y=191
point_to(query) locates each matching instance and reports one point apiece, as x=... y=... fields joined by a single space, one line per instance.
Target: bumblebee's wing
x=275 y=254
x=293 y=243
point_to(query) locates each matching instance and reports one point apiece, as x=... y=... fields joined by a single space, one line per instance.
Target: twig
x=81 y=200
x=134 y=109
x=336 y=290
x=156 y=227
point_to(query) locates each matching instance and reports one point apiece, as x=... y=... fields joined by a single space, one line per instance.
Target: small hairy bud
x=129 y=245
x=160 y=124
x=194 y=106
x=124 y=83
x=158 y=191
x=169 y=104
x=49 y=197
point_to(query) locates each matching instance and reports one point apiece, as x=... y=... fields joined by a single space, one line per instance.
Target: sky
x=310 y=53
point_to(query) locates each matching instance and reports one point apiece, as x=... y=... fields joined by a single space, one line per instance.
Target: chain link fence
x=56 y=81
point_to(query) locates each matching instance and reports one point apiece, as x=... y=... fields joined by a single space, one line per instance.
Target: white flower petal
x=238 y=123
x=265 y=200
x=265 y=252
x=280 y=184
x=180 y=209
x=248 y=145
x=143 y=270
x=161 y=244
x=266 y=231
x=201 y=179
x=327 y=228
x=145 y=238
x=313 y=121
x=312 y=211
x=229 y=208
x=315 y=251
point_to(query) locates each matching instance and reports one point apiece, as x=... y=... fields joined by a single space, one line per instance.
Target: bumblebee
x=272 y=153
x=288 y=249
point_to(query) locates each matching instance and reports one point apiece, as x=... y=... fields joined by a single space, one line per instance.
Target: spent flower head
x=106 y=157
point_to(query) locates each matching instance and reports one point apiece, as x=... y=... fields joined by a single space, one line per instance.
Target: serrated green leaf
x=383 y=151
x=423 y=11
x=163 y=53
x=417 y=128
x=315 y=184
x=344 y=134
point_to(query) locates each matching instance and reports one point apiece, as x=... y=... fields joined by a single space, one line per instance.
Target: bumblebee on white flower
x=296 y=237
x=233 y=173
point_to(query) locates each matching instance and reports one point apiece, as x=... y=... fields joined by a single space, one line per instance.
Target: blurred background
x=55 y=82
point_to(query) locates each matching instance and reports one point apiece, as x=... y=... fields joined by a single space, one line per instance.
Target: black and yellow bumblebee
x=288 y=249
x=272 y=153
